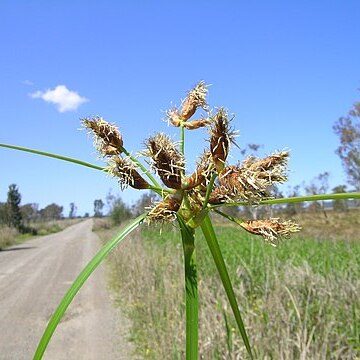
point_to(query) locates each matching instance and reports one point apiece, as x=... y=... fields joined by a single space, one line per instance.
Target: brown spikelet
x=221 y=136
x=195 y=98
x=125 y=171
x=271 y=229
x=107 y=137
x=251 y=181
x=272 y=167
x=167 y=160
x=164 y=211
x=196 y=124
x=202 y=174
x=219 y=196
x=173 y=117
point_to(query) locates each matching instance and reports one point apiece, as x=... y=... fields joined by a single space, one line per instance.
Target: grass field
x=298 y=301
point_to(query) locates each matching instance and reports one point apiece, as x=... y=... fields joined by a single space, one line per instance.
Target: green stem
x=229 y=217
x=142 y=167
x=191 y=290
x=340 y=196
x=60 y=157
x=209 y=189
x=214 y=247
x=182 y=138
x=78 y=283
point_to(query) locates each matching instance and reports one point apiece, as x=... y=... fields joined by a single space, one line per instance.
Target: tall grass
x=8 y=236
x=299 y=301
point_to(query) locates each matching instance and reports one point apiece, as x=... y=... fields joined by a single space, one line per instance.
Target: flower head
x=201 y=176
x=127 y=174
x=167 y=160
x=195 y=98
x=164 y=211
x=173 y=117
x=221 y=135
x=271 y=229
x=251 y=181
x=107 y=137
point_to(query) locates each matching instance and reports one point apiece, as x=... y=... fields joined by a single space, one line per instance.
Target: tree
x=51 y=212
x=73 y=209
x=348 y=130
x=30 y=212
x=145 y=201
x=13 y=207
x=119 y=211
x=340 y=205
x=98 y=207
x=319 y=185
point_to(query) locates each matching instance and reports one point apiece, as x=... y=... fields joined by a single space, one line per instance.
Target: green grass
x=299 y=300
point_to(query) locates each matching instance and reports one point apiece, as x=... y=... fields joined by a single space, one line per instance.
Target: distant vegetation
x=18 y=222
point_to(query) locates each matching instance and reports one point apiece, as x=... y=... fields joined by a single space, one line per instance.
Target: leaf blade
x=213 y=244
x=55 y=156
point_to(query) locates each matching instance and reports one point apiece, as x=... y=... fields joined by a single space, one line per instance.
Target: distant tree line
x=18 y=216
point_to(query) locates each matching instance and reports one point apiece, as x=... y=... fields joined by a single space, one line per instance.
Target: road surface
x=34 y=277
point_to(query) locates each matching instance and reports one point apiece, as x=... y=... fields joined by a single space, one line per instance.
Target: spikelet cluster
x=250 y=182
x=107 y=138
x=213 y=183
x=109 y=143
x=271 y=229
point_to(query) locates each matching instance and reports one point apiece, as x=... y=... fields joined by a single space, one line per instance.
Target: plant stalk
x=191 y=290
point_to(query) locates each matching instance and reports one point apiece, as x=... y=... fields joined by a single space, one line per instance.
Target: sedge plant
x=187 y=200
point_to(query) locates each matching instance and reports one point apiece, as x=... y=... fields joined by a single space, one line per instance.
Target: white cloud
x=62 y=97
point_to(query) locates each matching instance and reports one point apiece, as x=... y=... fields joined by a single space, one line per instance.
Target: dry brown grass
x=7 y=236
x=333 y=225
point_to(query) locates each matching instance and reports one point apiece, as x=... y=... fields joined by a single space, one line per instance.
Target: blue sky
x=288 y=70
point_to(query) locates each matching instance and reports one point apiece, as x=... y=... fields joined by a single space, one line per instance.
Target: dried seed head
x=107 y=137
x=173 y=117
x=273 y=167
x=251 y=181
x=195 y=98
x=125 y=171
x=271 y=230
x=164 y=211
x=196 y=124
x=221 y=136
x=202 y=174
x=167 y=160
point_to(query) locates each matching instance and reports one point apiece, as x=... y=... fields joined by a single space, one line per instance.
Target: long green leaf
x=78 y=283
x=318 y=197
x=60 y=157
x=214 y=247
x=191 y=290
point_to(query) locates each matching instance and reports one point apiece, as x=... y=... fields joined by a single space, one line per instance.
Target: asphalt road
x=34 y=277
